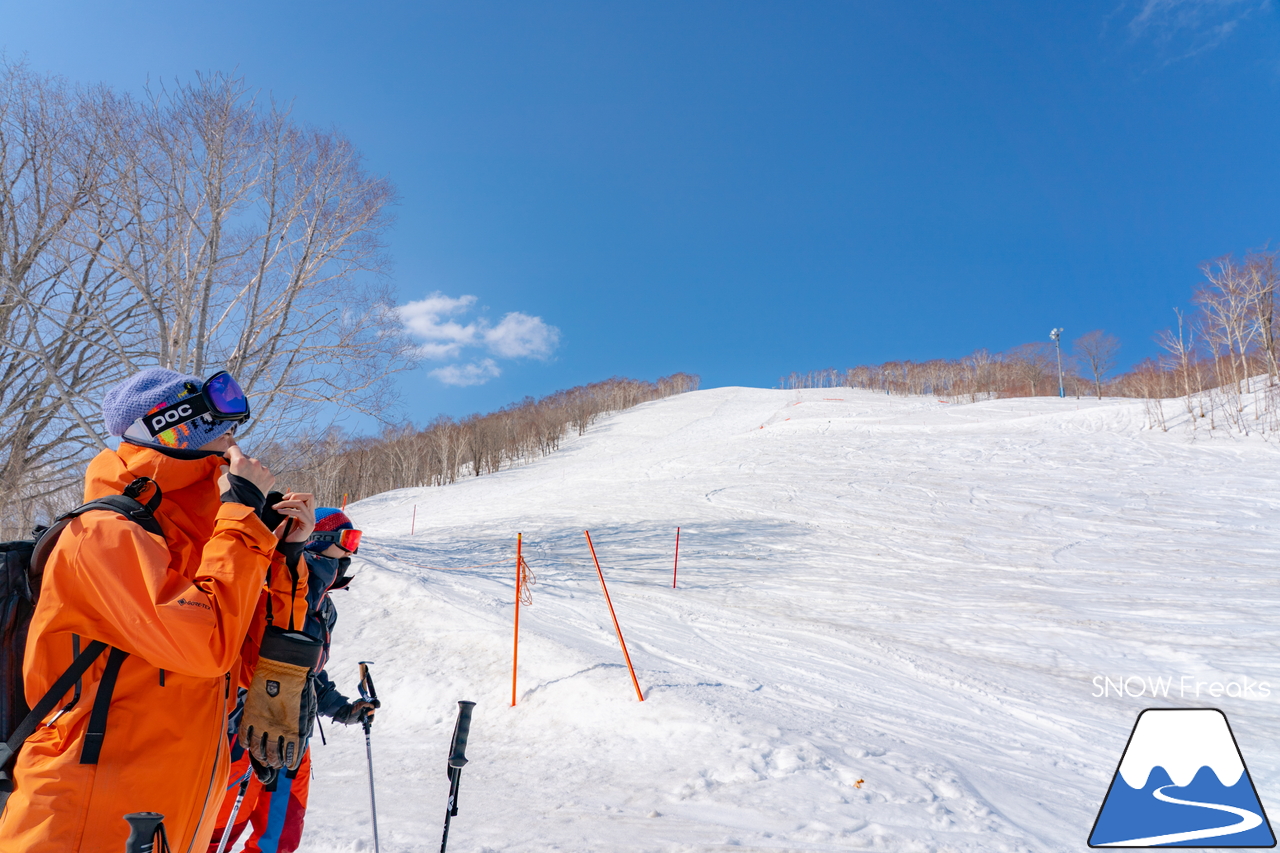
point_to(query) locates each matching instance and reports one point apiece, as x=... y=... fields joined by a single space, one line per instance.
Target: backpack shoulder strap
x=128 y=505
x=125 y=504
x=51 y=697
x=97 y=730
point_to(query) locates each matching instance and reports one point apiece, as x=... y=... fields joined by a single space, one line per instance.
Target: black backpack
x=23 y=565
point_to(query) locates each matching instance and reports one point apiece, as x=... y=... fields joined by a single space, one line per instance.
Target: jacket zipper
x=213 y=778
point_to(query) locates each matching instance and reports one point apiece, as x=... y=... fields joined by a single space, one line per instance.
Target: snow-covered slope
x=892 y=621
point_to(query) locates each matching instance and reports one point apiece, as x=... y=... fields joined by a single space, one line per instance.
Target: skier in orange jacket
x=176 y=612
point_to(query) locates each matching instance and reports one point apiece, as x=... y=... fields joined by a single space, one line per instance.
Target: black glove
x=270 y=517
x=349 y=713
x=266 y=775
x=242 y=491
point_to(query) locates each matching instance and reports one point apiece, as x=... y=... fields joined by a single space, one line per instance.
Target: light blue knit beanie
x=151 y=390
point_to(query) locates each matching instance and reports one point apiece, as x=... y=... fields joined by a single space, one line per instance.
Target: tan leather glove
x=280 y=706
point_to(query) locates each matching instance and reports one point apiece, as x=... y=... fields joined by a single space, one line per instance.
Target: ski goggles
x=220 y=398
x=347 y=540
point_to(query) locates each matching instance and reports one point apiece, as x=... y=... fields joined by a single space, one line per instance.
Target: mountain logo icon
x=1182 y=782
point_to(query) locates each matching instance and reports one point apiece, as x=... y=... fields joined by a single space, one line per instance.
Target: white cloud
x=462 y=375
x=440 y=325
x=1184 y=28
x=441 y=338
x=522 y=336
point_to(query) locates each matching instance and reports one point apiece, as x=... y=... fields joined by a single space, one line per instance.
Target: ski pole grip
x=367 y=691
x=142 y=831
x=457 y=753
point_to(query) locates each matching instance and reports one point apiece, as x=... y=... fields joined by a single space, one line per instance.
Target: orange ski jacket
x=181 y=608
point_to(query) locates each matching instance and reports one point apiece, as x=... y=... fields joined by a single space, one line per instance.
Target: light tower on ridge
x=1056 y=334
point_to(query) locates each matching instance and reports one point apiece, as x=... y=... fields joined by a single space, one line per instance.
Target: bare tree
x=254 y=244
x=1228 y=306
x=51 y=163
x=1033 y=364
x=1262 y=282
x=1097 y=351
x=1181 y=348
x=195 y=229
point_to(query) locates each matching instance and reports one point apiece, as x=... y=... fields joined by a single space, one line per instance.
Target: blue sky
x=742 y=189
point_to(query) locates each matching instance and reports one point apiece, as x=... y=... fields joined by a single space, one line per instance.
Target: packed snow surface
x=900 y=625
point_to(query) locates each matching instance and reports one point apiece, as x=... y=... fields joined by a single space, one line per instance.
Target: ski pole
x=235 y=810
x=368 y=694
x=457 y=758
x=144 y=829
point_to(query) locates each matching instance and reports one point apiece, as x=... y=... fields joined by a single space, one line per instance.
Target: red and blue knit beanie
x=327 y=519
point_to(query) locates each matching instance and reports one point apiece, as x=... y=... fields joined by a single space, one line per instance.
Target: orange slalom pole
x=515 y=652
x=344 y=502
x=676 y=564
x=616 y=626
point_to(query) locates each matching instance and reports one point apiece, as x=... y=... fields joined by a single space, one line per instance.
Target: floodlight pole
x=1056 y=334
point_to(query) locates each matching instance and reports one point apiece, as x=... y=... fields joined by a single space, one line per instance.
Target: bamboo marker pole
x=676 y=564
x=616 y=626
x=515 y=652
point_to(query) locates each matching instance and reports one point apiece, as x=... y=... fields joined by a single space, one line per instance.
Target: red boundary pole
x=414 y=522
x=676 y=564
x=515 y=652
x=616 y=626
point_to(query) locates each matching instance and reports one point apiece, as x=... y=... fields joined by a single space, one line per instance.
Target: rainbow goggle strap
x=218 y=399
x=347 y=540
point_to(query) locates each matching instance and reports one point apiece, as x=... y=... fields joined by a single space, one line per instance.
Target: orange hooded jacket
x=181 y=608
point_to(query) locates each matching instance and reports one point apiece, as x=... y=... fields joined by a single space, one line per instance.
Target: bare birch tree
x=196 y=229
x=253 y=244
x=1228 y=308
x=51 y=164
x=1262 y=281
x=1097 y=351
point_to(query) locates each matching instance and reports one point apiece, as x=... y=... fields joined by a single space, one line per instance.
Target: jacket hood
x=189 y=506
x=112 y=470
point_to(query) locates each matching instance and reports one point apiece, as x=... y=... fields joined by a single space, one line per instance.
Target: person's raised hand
x=299 y=507
x=248 y=468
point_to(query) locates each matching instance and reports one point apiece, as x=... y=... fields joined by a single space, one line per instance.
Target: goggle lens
x=347 y=540
x=225 y=396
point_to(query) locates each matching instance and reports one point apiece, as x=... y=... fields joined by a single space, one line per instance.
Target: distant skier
x=276 y=810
